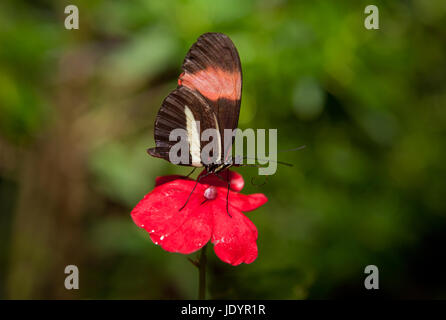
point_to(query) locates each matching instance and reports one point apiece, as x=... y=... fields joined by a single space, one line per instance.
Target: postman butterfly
x=209 y=91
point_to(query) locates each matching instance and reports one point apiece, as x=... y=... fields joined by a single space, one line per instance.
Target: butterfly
x=209 y=91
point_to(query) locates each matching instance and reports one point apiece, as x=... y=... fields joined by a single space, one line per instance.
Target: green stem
x=202 y=274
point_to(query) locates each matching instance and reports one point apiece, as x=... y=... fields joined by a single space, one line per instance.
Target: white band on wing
x=193 y=137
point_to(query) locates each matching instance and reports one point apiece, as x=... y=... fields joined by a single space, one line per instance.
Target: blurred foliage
x=76 y=115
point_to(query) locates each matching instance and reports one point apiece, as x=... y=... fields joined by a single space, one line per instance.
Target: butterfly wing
x=212 y=67
x=181 y=109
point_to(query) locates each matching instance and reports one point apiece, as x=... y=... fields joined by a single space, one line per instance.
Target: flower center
x=210 y=193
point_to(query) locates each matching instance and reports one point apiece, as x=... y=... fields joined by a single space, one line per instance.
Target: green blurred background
x=77 y=109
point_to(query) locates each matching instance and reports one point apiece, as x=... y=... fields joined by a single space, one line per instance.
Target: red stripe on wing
x=213 y=83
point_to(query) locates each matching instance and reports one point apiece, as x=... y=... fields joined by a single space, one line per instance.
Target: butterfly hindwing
x=181 y=109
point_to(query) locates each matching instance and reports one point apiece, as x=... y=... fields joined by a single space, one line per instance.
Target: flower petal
x=234 y=237
x=164 y=179
x=236 y=180
x=192 y=234
x=158 y=213
x=247 y=203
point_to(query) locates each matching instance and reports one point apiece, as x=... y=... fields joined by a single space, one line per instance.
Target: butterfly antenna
x=257 y=159
x=279 y=162
x=293 y=149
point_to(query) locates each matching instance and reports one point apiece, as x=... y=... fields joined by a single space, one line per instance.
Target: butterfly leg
x=227 y=201
x=193 y=189
x=193 y=170
x=227 y=193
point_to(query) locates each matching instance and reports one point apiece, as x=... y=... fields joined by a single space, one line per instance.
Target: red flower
x=204 y=218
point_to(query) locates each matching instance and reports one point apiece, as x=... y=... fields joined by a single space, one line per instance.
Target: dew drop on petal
x=162 y=238
x=211 y=193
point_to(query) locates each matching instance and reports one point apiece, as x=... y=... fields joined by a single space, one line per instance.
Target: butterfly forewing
x=182 y=109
